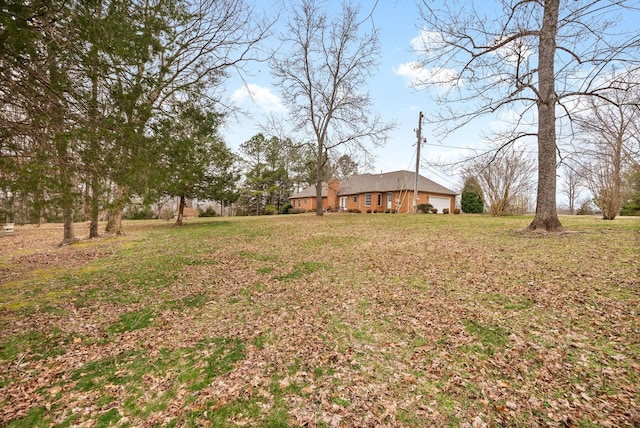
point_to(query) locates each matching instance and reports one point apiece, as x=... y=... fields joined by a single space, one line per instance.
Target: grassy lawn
x=345 y=320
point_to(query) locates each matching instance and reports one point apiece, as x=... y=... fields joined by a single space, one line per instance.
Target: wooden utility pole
x=415 y=190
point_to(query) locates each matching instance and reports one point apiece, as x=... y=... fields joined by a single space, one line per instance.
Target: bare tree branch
x=528 y=54
x=322 y=71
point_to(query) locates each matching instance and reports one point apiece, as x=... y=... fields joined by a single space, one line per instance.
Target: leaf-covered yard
x=346 y=320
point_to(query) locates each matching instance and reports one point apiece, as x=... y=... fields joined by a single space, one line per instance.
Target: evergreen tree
x=196 y=163
x=632 y=204
x=267 y=178
x=471 y=201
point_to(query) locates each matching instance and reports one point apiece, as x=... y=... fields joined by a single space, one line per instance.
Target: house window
x=355 y=199
x=379 y=199
x=367 y=200
x=298 y=203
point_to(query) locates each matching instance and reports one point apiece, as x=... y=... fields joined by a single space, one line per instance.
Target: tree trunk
x=319 y=211
x=69 y=230
x=95 y=146
x=114 y=220
x=572 y=210
x=546 y=217
x=95 y=208
x=319 y=176
x=66 y=192
x=180 y=211
x=613 y=201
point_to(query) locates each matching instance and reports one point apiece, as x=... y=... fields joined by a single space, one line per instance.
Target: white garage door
x=440 y=203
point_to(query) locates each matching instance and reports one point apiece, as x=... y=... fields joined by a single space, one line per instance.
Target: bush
x=285 y=208
x=585 y=208
x=142 y=213
x=456 y=211
x=297 y=211
x=270 y=210
x=434 y=210
x=166 y=213
x=209 y=212
x=424 y=208
x=445 y=211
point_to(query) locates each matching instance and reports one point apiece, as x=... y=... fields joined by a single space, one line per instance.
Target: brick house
x=386 y=192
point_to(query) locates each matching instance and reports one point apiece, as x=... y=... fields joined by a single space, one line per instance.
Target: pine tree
x=471 y=200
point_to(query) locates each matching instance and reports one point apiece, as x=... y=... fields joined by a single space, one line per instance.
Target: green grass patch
x=191 y=368
x=131 y=321
x=221 y=355
x=108 y=418
x=343 y=402
x=511 y=302
x=32 y=345
x=37 y=417
x=303 y=269
x=196 y=301
x=493 y=338
x=258 y=256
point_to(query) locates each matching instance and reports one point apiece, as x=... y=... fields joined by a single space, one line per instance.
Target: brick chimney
x=333 y=187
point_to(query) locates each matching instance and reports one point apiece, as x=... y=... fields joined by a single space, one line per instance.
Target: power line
x=441 y=176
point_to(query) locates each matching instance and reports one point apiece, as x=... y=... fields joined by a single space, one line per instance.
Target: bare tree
x=609 y=141
x=322 y=68
x=571 y=185
x=530 y=56
x=506 y=179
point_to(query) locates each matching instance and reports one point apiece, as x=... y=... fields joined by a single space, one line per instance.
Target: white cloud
x=516 y=52
x=425 y=45
x=259 y=96
x=428 y=41
x=420 y=78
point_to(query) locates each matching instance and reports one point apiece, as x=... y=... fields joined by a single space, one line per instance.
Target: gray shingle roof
x=388 y=182
x=384 y=182
x=310 y=191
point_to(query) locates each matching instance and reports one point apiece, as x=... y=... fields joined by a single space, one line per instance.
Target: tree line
x=104 y=102
x=603 y=160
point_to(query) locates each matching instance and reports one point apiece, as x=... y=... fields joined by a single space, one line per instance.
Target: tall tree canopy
x=535 y=58
x=195 y=161
x=85 y=85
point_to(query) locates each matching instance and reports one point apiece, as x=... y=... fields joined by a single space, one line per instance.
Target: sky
x=398 y=23
x=399 y=26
